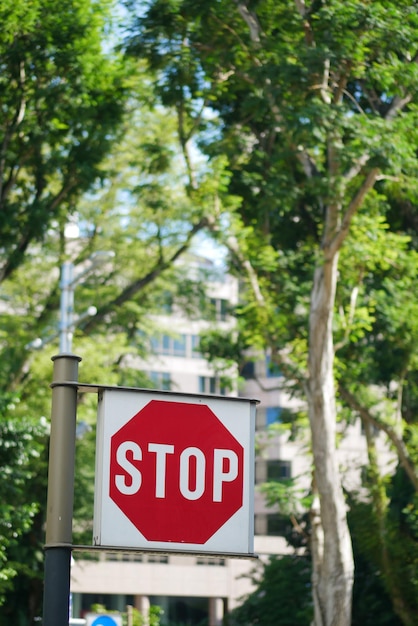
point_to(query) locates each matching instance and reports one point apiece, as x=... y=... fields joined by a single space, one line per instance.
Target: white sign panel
x=174 y=472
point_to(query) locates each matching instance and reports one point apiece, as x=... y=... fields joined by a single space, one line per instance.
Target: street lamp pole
x=67 y=285
x=69 y=281
x=61 y=466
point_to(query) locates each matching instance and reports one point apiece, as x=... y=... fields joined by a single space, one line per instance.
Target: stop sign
x=174 y=472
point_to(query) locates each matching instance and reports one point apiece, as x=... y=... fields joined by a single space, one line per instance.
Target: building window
x=160 y=380
x=157 y=558
x=179 y=346
x=166 y=344
x=135 y=557
x=167 y=305
x=279 y=470
x=196 y=354
x=217 y=309
x=278 y=525
x=169 y=346
x=248 y=370
x=211 y=385
x=272 y=369
x=272 y=414
x=156 y=345
x=206 y=560
x=222 y=310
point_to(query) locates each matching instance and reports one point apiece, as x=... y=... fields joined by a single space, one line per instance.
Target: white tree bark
x=333 y=567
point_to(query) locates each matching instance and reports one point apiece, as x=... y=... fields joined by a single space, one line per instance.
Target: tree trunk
x=333 y=568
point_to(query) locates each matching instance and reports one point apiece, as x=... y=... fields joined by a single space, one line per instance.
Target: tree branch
x=401 y=449
x=27 y=236
x=251 y=19
x=301 y=8
x=136 y=286
x=184 y=145
x=356 y=202
x=18 y=118
x=357 y=166
x=290 y=370
x=351 y=313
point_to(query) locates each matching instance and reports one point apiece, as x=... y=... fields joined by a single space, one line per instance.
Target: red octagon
x=176 y=472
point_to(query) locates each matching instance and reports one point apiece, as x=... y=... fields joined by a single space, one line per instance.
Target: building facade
x=193 y=590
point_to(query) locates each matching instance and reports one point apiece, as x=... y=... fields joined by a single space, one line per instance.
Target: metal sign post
x=58 y=545
x=197 y=483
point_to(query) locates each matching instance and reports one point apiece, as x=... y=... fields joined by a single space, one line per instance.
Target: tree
x=130 y=211
x=314 y=107
x=20 y=450
x=62 y=99
x=282 y=596
x=376 y=599
x=282 y=586
x=68 y=100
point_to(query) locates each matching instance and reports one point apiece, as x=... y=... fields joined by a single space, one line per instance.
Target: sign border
x=227 y=540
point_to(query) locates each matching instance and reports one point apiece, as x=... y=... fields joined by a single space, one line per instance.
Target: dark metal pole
x=58 y=544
